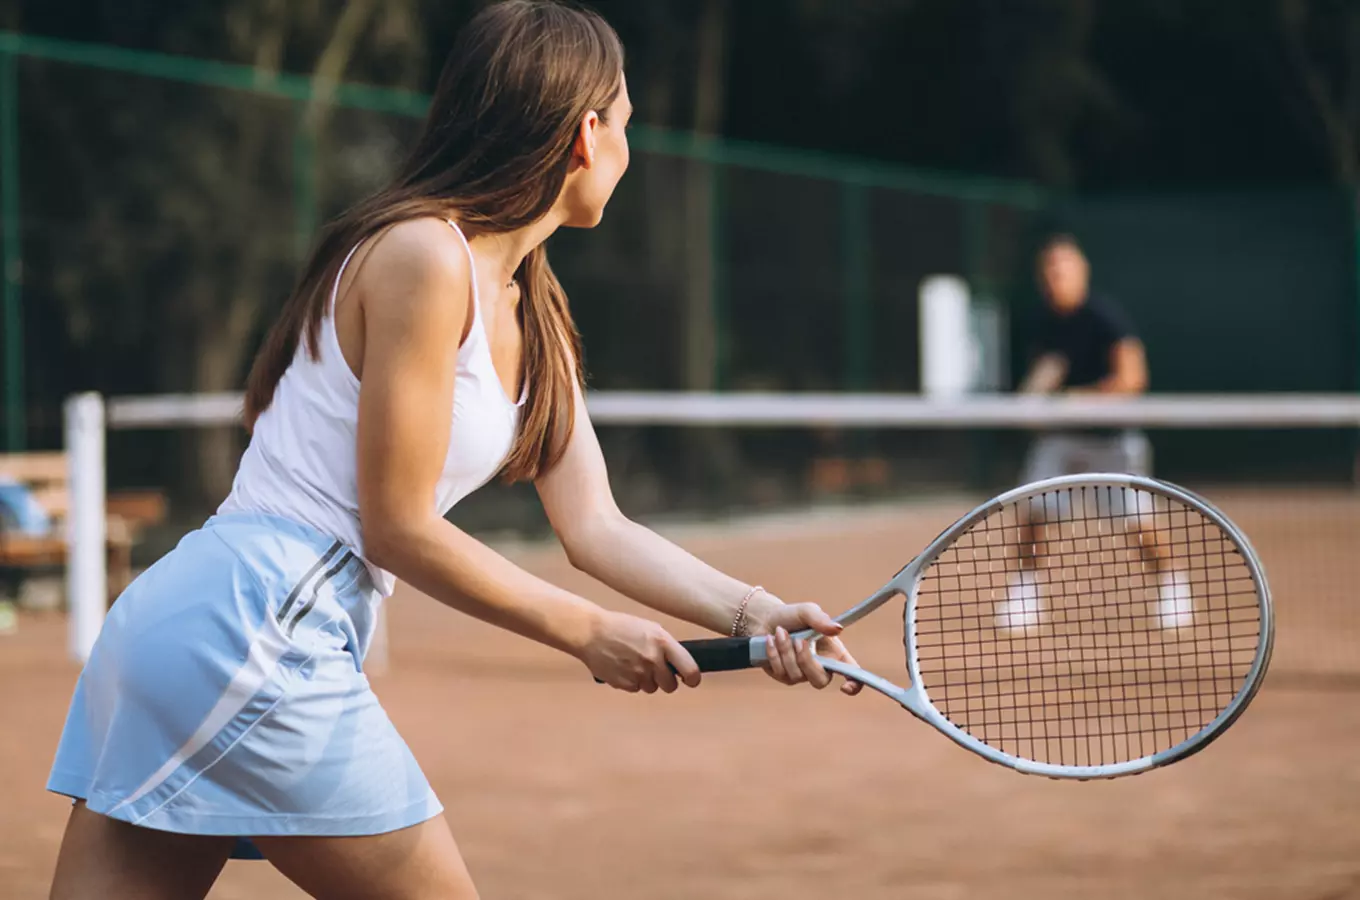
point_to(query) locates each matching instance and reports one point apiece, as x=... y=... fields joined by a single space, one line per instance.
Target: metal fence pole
x=975 y=273
x=10 y=212
x=1355 y=326
x=855 y=264
x=304 y=183
x=717 y=267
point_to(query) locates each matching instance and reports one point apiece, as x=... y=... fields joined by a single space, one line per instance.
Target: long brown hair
x=494 y=154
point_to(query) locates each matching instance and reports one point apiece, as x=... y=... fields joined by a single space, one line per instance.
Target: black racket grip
x=718 y=654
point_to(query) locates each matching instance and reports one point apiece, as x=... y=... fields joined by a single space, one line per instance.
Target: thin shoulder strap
x=339 y=276
x=335 y=288
x=472 y=266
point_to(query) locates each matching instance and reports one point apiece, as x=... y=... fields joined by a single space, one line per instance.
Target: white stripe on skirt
x=266 y=650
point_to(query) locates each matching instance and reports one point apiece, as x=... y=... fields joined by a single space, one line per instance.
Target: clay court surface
x=558 y=788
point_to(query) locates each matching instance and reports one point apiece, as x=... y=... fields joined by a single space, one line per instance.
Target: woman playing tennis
x=427 y=347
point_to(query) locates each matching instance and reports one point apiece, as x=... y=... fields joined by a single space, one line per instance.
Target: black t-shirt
x=1084 y=337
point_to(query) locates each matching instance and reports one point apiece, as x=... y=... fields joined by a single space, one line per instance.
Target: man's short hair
x=1060 y=239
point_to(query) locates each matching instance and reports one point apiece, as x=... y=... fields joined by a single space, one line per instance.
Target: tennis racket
x=1086 y=626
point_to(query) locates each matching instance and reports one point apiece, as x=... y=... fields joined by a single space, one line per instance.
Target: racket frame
x=916 y=699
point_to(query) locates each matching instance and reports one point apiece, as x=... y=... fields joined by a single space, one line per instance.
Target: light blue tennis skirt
x=226 y=695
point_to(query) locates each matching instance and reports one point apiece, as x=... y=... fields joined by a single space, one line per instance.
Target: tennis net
x=1283 y=466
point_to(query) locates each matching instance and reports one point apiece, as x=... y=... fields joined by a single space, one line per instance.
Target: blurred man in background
x=1086 y=345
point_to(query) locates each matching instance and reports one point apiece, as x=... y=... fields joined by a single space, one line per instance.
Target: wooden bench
x=45 y=474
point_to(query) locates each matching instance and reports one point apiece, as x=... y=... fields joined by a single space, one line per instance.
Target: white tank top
x=301 y=461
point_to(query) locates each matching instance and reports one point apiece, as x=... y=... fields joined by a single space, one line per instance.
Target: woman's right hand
x=634 y=654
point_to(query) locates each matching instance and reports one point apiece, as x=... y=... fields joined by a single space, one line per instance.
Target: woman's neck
x=502 y=253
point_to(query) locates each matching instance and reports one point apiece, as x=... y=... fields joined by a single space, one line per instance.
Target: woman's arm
x=639 y=563
x=413 y=288
x=635 y=561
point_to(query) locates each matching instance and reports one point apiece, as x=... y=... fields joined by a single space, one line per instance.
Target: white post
x=86 y=574
x=947 y=346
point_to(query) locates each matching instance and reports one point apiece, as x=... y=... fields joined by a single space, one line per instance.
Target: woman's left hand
x=794 y=662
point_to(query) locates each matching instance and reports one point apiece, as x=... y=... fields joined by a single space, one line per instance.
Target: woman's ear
x=584 y=149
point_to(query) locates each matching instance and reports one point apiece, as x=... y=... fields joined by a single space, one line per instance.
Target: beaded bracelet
x=739 y=621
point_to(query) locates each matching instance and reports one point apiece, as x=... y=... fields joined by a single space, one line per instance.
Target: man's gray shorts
x=1068 y=453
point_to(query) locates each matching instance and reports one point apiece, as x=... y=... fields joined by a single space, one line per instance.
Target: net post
x=86 y=573
x=946 y=349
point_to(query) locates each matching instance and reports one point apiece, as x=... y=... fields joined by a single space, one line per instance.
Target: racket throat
x=869 y=679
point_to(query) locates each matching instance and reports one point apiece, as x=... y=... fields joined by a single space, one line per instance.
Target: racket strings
x=1087 y=626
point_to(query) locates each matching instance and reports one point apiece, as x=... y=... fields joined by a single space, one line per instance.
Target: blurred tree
x=1056 y=88
x=692 y=38
x=1321 y=43
x=185 y=199
x=678 y=69
x=1068 y=90
x=149 y=202
x=1006 y=86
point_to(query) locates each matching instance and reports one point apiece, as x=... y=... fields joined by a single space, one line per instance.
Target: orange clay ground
x=558 y=788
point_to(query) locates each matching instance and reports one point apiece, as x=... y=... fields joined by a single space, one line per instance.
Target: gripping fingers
x=812 y=670
x=834 y=649
x=788 y=655
x=774 y=663
x=679 y=663
x=663 y=676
